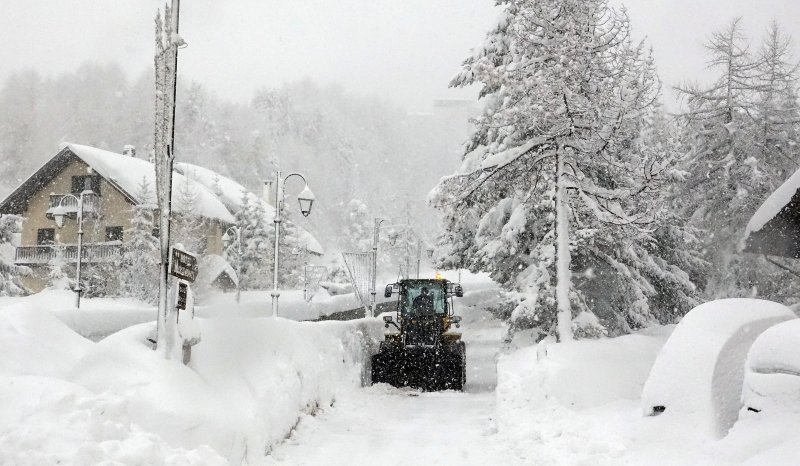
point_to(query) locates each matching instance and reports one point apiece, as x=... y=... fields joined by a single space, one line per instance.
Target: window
x=79 y=183
x=114 y=233
x=45 y=236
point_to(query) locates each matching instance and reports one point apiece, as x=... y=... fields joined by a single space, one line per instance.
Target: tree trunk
x=563 y=277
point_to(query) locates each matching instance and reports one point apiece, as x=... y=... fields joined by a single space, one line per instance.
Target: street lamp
x=59 y=212
x=234 y=233
x=306 y=199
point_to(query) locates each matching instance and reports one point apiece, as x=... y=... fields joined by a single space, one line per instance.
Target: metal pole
x=305 y=273
x=375 y=240
x=408 y=251
x=239 y=264
x=419 y=252
x=78 y=289
x=278 y=204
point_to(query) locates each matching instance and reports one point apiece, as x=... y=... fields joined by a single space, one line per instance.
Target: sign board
x=183 y=289
x=183 y=265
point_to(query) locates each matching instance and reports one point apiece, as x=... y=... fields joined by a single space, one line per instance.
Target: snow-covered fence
x=698 y=373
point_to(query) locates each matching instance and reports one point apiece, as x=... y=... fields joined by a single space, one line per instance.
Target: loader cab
x=424 y=300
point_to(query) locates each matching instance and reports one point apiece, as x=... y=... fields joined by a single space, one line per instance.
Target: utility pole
x=166 y=86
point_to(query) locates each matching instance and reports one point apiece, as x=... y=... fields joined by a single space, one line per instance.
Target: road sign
x=183 y=265
x=183 y=290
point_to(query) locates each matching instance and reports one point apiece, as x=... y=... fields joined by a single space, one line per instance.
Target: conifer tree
x=557 y=192
x=140 y=251
x=740 y=135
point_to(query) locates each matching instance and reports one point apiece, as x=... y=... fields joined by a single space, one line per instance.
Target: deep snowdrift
x=68 y=400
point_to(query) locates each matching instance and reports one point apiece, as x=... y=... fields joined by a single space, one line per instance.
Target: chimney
x=129 y=150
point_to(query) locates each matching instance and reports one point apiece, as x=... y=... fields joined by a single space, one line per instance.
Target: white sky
x=402 y=50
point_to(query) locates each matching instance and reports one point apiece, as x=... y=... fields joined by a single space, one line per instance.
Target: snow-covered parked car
x=772 y=371
x=698 y=374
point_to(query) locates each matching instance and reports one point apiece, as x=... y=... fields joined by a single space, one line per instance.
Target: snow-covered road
x=385 y=425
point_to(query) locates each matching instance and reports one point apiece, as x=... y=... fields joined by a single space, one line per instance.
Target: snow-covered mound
x=771 y=387
x=579 y=376
x=33 y=342
x=49 y=421
x=698 y=373
x=67 y=400
x=547 y=395
x=772 y=372
x=247 y=384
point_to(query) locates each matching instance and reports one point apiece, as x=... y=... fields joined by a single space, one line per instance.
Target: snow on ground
x=579 y=403
x=68 y=400
x=390 y=426
x=276 y=391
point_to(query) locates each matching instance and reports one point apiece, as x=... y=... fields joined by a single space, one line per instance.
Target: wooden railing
x=102 y=252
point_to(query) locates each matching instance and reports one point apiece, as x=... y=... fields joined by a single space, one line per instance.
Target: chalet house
x=115 y=181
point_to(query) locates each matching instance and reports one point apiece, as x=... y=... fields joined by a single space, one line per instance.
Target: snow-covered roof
x=211 y=266
x=774 y=204
x=126 y=173
x=227 y=190
x=775 y=227
x=230 y=193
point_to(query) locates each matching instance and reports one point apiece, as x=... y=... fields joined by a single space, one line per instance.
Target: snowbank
x=548 y=396
x=71 y=401
x=292 y=305
x=49 y=421
x=699 y=371
x=97 y=317
x=247 y=384
x=581 y=375
x=36 y=343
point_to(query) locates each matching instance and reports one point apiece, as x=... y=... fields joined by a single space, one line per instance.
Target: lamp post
x=375 y=241
x=235 y=234
x=59 y=212
x=306 y=199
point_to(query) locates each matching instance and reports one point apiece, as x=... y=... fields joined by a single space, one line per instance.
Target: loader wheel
x=453 y=367
x=463 y=350
x=385 y=366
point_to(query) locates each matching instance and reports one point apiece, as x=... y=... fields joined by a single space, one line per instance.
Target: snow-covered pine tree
x=777 y=128
x=737 y=133
x=10 y=284
x=256 y=245
x=188 y=223
x=556 y=178
x=359 y=227
x=140 y=259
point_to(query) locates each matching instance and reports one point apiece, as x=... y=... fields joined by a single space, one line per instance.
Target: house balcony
x=69 y=204
x=92 y=253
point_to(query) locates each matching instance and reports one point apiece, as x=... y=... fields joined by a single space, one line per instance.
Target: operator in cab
x=423 y=304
